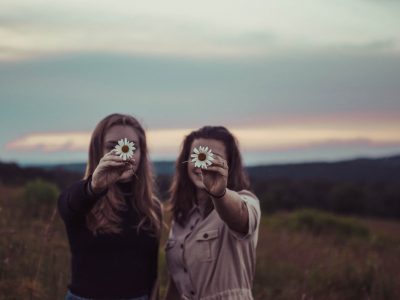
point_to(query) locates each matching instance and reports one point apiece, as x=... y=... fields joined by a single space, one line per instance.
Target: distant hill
x=355 y=170
x=60 y=174
x=161 y=167
x=13 y=174
x=73 y=167
x=368 y=187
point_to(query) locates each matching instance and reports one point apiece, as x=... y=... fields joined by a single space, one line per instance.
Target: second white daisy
x=202 y=157
x=125 y=149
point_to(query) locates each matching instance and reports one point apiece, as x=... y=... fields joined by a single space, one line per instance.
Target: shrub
x=39 y=198
x=322 y=223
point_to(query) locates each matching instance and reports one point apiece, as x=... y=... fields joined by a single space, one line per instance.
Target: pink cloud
x=251 y=139
x=51 y=142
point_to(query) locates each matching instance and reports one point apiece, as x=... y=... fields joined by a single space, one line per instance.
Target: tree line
x=380 y=198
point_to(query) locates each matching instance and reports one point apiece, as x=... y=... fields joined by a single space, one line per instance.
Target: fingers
x=216 y=168
x=127 y=174
x=218 y=164
x=219 y=161
x=112 y=156
x=114 y=164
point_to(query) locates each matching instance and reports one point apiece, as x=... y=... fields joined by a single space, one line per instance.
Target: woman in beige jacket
x=211 y=249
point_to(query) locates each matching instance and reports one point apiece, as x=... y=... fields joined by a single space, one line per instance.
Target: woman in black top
x=112 y=218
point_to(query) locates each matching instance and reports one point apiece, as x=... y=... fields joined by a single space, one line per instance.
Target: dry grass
x=34 y=257
x=291 y=263
x=301 y=265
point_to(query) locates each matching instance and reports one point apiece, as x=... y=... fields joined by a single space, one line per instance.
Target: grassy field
x=301 y=255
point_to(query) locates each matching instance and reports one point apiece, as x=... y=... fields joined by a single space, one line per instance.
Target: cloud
x=177 y=28
x=333 y=144
x=385 y=44
x=51 y=142
x=251 y=139
x=47 y=142
x=388 y=45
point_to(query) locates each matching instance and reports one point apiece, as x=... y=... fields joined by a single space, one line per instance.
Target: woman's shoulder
x=77 y=187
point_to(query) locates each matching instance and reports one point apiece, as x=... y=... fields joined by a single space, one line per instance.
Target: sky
x=293 y=80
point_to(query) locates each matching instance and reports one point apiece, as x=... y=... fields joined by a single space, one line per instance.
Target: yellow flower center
x=201 y=156
x=125 y=149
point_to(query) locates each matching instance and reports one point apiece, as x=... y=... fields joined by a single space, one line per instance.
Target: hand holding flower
x=114 y=165
x=214 y=170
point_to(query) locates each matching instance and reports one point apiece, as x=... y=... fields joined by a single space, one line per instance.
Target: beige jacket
x=209 y=261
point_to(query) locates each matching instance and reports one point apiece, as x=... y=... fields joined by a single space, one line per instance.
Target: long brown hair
x=183 y=191
x=104 y=217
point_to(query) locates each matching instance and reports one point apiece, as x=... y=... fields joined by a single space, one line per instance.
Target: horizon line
x=254 y=164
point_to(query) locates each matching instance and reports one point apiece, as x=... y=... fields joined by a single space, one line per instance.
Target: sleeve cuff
x=254 y=212
x=80 y=201
x=89 y=191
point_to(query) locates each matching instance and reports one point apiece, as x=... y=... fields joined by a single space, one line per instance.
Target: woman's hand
x=110 y=169
x=215 y=177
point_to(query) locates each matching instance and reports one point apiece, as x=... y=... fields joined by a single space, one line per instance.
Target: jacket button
x=205 y=235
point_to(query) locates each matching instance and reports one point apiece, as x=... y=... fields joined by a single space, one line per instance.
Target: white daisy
x=202 y=157
x=125 y=149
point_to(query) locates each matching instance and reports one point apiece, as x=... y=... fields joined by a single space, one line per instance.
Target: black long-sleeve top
x=107 y=266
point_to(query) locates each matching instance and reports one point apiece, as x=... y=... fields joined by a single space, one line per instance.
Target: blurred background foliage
x=319 y=238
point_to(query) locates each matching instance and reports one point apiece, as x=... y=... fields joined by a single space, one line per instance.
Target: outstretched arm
x=229 y=204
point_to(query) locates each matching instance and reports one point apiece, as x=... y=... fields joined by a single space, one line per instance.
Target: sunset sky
x=294 y=80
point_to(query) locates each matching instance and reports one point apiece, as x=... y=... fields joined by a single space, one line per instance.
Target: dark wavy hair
x=183 y=191
x=104 y=217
